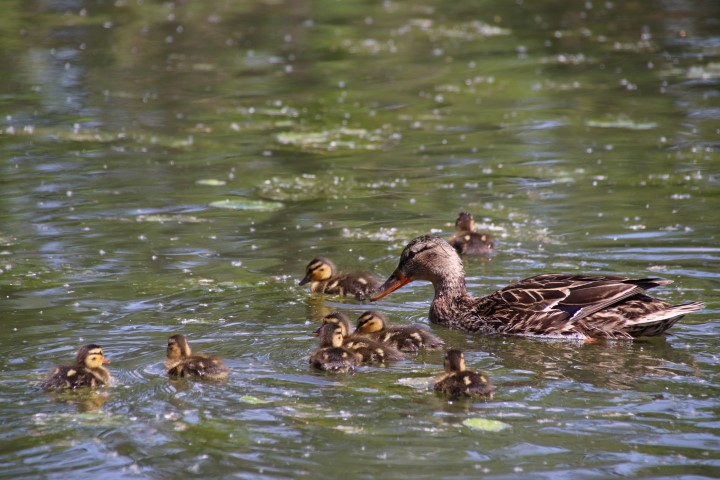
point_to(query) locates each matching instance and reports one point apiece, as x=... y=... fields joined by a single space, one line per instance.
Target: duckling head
x=465 y=222
x=336 y=318
x=428 y=258
x=370 y=322
x=178 y=348
x=91 y=356
x=454 y=361
x=318 y=270
x=331 y=335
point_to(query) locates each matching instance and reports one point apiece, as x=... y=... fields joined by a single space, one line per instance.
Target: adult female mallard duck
x=182 y=363
x=410 y=338
x=325 y=278
x=458 y=382
x=369 y=350
x=332 y=356
x=87 y=371
x=469 y=242
x=550 y=305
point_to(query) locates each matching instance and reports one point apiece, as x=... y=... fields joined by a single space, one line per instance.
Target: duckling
x=326 y=279
x=458 y=382
x=469 y=242
x=370 y=351
x=409 y=338
x=332 y=356
x=88 y=371
x=552 y=305
x=182 y=363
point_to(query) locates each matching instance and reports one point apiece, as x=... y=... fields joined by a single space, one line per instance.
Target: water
x=584 y=137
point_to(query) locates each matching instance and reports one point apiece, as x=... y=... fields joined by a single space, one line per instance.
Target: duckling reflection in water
x=408 y=338
x=182 y=363
x=332 y=356
x=325 y=278
x=458 y=382
x=469 y=242
x=87 y=371
x=369 y=350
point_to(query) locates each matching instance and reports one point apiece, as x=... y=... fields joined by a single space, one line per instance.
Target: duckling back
x=464 y=384
x=198 y=366
x=73 y=376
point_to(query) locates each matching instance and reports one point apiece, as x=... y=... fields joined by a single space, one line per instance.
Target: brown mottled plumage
x=326 y=279
x=87 y=371
x=182 y=363
x=458 y=382
x=409 y=338
x=332 y=356
x=369 y=350
x=469 y=242
x=550 y=305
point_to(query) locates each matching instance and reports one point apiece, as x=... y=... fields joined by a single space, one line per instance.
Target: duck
x=332 y=356
x=182 y=363
x=327 y=279
x=466 y=241
x=458 y=382
x=550 y=305
x=87 y=371
x=369 y=350
x=410 y=338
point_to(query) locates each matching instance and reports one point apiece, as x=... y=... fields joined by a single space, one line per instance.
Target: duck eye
x=411 y=254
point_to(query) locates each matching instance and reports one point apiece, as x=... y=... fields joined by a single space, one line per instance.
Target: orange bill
x=105 y=361
x=395 y=281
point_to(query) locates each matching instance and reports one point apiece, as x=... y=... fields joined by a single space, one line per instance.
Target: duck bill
x=106 y=361
x=305 y=280
x=395 y=281
x=316 y=333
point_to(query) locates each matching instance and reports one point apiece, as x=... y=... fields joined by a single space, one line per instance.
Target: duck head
x=318 y=270
x=428 y=258
x=91 y=356
x=178 y=348
x=331 y=335
x=465 y=222
x=336 y=318
x=454 y=361
x=370 y=322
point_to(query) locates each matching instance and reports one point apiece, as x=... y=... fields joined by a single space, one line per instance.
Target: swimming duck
x=369 y=350
x=332 y=356
x=88 y=371
x=458 y=382
x=550 y=305
x=467 y=241
x=182 y=363
x=409 y=338
x=326 y=279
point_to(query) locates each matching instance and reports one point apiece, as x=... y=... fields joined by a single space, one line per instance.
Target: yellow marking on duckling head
x=370 y=322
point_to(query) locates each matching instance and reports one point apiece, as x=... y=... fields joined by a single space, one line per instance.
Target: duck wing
x=552 y=304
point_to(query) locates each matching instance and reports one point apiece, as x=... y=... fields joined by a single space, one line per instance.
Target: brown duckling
x=549 y=305
x=458 y=382
x=87 y=371
x=182 y=363
x=369 y=350
x=409 y=338
x=332 y=356
x=326 y=279
x=469 y=242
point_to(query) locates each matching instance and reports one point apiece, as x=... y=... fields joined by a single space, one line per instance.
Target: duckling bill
x=327 y=279
x=181 y=362
x=87 y=371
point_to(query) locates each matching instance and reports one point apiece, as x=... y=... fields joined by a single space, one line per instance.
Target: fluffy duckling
x=469 y=242
x=332 y=356
x=409 y=338
x=458 y=382
x=370 y=351
x=182 y=363
x=88 y=371
x=326 y=279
